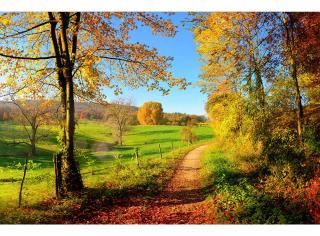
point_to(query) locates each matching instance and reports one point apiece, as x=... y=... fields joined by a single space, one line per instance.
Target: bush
x=311 y=136
x=188 y=135
x=31 y=165
x=312 y=195
x=266 y=193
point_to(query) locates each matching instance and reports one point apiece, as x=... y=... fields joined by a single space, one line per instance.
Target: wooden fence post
x=160 y=151
x=137 y=156
x=58 y=174
x=23 y=178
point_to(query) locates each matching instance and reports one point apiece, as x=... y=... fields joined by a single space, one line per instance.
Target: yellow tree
x=301 y=43
x=84 y=52
x=237 y=47
x=241 y=54
x=150 y=113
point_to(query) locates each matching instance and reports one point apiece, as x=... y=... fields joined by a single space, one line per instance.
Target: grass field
x=96 y=157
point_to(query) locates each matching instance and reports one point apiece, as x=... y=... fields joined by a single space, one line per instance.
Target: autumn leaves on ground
x=69 y=155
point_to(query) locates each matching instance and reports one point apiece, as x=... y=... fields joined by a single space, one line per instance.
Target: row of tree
x=150 y=113
x=259 y=65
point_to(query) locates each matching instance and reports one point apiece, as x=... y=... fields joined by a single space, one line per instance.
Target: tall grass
x=247 y=189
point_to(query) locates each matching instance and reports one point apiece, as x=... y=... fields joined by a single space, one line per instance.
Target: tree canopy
x=150 y=113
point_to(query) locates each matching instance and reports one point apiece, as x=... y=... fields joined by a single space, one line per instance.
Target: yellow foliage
x=100 y=52
x=150 y=113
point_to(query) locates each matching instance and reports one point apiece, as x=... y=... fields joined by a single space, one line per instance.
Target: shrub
x=188 y=135
x=312 y=196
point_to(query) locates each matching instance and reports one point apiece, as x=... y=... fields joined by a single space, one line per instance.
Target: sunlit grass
x=96 y=141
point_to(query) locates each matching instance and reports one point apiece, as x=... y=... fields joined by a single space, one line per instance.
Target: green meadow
x=102 y=163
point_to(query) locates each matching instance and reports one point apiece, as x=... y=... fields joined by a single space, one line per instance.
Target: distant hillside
x=92 y=111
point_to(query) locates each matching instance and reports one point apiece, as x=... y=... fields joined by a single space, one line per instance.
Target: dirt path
x=182 y=201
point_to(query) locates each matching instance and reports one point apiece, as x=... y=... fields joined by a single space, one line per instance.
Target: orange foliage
x=308 y=52
x=150 y=113
x=308 y=31
x=312 y=194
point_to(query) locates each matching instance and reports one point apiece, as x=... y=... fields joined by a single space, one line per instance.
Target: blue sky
x=186 y=64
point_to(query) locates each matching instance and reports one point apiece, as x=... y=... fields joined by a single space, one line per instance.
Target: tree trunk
x=249 y=83
x=33 y=141
x=298 y=102
x=68 y=175
x=68 y=178
x=23 y=179
x=294 y=75
x=259 y=88
x=71 y=175
x=289 y=31
x=57 y=170
x=63 y=98
x=33 y=148
x=120 y=137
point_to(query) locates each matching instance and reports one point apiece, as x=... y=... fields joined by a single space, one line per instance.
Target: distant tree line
x=101 y=113
x=6 y=111
x=182 y=119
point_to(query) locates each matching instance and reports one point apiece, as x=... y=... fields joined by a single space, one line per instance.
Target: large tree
x=307 y=32
x=240 y=56
x=237 y=48
x=85 y=52
x=290 y=32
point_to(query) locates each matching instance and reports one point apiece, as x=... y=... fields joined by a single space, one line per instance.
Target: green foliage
x=312 y=138
x=260 y=173
x=282 y=146
x=83 y=156
x=30 y=166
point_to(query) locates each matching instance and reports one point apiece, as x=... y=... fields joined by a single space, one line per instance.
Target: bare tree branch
x=25 y=31
x=27 y=58
x=123 y=59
